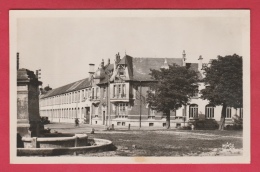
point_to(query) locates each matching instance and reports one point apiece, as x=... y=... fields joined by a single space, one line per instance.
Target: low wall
x=99 y=146
x=55 y=142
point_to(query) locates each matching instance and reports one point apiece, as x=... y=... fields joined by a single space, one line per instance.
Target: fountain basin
x=56 y=141
x=53 y=146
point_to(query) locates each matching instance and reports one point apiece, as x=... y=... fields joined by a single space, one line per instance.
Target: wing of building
x=115 y=94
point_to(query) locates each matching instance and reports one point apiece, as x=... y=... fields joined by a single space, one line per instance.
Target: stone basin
x=52 y=145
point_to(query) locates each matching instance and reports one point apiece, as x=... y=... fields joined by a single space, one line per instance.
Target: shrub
x=185 y=128
x=205 y=124
x=233 y=127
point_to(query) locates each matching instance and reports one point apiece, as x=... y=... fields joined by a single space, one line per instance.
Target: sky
x=63 y=46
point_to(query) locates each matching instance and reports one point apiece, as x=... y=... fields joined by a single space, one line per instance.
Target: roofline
x=63 y=92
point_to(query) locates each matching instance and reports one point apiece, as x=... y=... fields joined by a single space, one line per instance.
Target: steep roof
x=142 y=66
x=138 y=69
x=195 y=67
x=84 y=83
x=107 y=69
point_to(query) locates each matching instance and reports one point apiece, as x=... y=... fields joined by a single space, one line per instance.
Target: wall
x=22 y=103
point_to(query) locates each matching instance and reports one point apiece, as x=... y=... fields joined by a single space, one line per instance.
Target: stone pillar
x=28 y=116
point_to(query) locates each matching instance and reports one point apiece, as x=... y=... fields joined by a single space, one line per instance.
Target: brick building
x=115 y=94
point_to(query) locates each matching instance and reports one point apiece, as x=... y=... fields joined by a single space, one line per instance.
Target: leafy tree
x=45 y=89
x=174 y=88
x=225 y=85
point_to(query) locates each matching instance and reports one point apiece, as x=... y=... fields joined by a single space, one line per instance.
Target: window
x=114 y=91
x=96 y=110
x=193 y=111
x=119 y=90
x=86 y=93
x=105 y=93
x=97 y=93
x=150 y=124
x=209 y=111
x=122 y=109
x=228 y=112
x=82 y=95
x=89 y=93
x=93 y=93
x=121 y=112
x=121 y=71
x=123 y=91
x=195 y=92
x=151 y=113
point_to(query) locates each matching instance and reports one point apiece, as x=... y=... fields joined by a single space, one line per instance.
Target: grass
x=167 y=142
x=159 y=142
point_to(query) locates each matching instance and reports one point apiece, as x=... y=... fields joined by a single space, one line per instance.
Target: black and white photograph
x=129 y=86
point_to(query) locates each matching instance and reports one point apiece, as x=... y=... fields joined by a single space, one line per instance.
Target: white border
x=15 y=14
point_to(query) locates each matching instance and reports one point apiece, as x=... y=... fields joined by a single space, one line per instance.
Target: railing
x=94 y=98
x=179 y=117
x=119 y=96
x=121 y=116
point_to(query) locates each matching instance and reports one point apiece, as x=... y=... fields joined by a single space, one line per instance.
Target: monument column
x=28 y=116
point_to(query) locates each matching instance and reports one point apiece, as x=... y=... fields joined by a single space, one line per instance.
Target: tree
x=174 y=88
x=225 y=85
x=45 y=89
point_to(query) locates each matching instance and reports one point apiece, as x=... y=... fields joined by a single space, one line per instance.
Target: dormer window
x=121 y=71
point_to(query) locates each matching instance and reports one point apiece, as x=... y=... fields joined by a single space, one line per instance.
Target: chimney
x=37 y=74
x=17 y=58
x=117 y=58
x=108 y=62
x=102 y=63
x=91 y=70
x=200 y=62
x=183 y=58
x=165 y=65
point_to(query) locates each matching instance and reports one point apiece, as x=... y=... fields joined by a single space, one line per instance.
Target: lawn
x=160 y=142
x=169 y=142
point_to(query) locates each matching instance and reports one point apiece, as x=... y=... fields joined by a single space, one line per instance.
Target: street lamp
x=108 y=99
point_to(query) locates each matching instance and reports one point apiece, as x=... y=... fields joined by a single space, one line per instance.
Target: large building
x=115 y=95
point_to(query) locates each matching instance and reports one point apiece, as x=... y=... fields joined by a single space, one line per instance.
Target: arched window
x=228 y=112
x=193 y=111
x=209 y=110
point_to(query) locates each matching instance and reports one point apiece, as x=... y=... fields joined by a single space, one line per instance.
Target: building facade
x=115 y=95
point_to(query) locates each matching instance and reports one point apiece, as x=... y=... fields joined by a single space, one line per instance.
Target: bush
x=185 y=128
x=237 y=124
x=205 y=124
x=233 y=127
